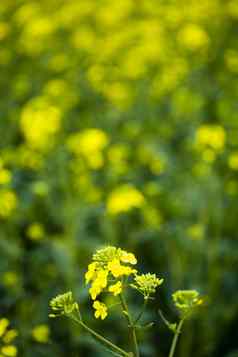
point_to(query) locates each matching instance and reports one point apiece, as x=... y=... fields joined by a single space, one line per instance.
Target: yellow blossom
x=117 y=269
x=88 y=141
x=128 y=258
x=193 y=37
x=41 y=333
x=4 y=323
x=8 y=202
x=98 y=284
x=9 y=351
x=213 y=136
x=233 y=161
x=5 y=176
x=91 y=272
x=36 y=231
x=10 y=336
x=116 y=289
x=101 y=310
x=40 y=121
x=123 y=199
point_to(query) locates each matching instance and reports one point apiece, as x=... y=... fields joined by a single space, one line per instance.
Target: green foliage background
x=158 y=79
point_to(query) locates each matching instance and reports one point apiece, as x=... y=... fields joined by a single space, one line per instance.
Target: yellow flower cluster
x=40 y=121
x=146 y=284
x=210 y=140
x=110 y=265
x=233 y=161
x=89 y=144
x=8 y=202
x=123 y=199
x=7 y=336
x=5 y=174
x=211 y=136
x=186 y=301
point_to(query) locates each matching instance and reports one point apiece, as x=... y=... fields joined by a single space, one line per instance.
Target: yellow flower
x=41 y=333
x=233 y=161
x=116 y=289
x=128 y=258
x=88 y=141
x=5 y=176
x=8 y=202
x=213 y=136
x=193 y=37
x=36 y=231
x=91 y=272
x=40 y=121
x=10 y=336
x=123 y=199
x=9 y=351
x=99 y=283
x=4 y=323
x=118 y=270
x=101 y=310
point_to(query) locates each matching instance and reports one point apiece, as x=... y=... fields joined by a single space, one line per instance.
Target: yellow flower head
x=211 y=136
x=101 y=310
x=7 y=336
x=186 y=301
x=40 y=121
x=91 y=272
x=118 y=270
x=63 y=304
x=115 y=289
x=123 y=199
x=109 y=263
x=41 y=333
x=9 y=351
x=99 y=283
x=146 y=284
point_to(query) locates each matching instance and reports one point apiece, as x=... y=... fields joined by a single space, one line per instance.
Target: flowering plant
x=113 y=271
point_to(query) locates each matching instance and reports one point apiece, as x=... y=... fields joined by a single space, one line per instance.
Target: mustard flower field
x=119 y=129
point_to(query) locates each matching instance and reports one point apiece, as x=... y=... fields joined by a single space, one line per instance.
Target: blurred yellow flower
x=40 y=121
x=5 y=176
x=8 y=202
x=196 y=231
x=41 y=333
x=193 y=37
x=36 y=231
x=213 y=136
x=89 y=143
x=4 y=30
x=6 y=338
x=123 y=199
x=9 y=351
x=4 y=323
x=10 y=278
x=233 y=161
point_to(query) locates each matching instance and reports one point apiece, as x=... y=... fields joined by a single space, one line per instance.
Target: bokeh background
x=119 y=125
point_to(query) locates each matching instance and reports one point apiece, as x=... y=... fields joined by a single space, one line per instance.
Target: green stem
x=102 y=339
x=141 y=313
x=175 y=339
x=131 y=326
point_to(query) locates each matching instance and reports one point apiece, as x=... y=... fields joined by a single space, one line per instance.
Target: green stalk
x=175 y=339
x=142 y=312
x=102 y=339
x=131 y=326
